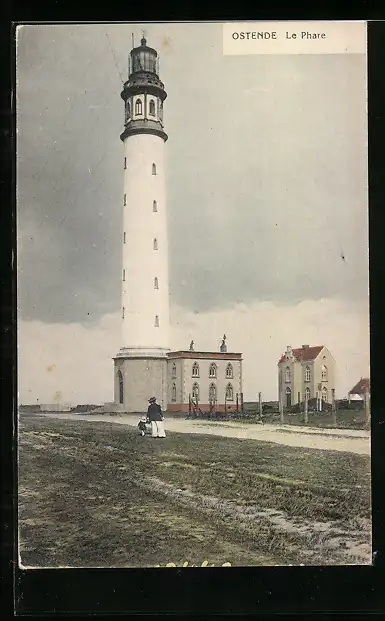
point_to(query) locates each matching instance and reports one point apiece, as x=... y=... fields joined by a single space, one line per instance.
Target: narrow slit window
x=125 y=200
x=123 y=312
x=124 y=237
x=155 y=244
x=156 y=283
x=154 y=206
x=154 y=169
x=125 y=163
x=156 y=321
x=124 y=275
x=152 y=108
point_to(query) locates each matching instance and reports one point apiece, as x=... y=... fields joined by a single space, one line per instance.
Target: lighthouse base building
x=182 y=381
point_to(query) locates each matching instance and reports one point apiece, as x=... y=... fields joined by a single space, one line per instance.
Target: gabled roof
x=304 y=354
x=361 y=387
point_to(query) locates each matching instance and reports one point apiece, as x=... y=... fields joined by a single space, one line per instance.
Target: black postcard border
x=194 y=591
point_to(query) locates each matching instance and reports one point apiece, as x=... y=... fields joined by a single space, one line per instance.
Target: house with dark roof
x=361 y=390
x=306 y=372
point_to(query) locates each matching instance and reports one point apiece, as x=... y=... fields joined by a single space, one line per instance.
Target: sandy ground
x=345 y=440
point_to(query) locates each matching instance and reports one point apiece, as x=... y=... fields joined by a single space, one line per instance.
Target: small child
x=142 y=425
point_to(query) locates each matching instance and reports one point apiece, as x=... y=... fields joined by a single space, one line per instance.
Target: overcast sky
x=267 y=187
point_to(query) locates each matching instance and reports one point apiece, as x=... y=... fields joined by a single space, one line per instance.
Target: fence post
x=281 y=412
x=237 y=403
x=242 y=410
x=260 y=404
x=367 y=408
x=306 y=419
x=334 y=411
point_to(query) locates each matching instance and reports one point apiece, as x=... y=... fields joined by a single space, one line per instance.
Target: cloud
x=74 y=361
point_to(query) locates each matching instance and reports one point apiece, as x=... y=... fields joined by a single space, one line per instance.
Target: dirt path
x=345 y=440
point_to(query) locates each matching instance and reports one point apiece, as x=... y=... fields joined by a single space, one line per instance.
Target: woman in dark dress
x=155 y=416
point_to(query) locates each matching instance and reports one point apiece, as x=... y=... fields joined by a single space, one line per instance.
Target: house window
x=123 y=312
x=325 y=395
x=173 y=370
x=195 y=370
x=124 y=275
x=156 y=284
x=307 y=374
x=138 y=107
x=125 y=200
x=307 y=394
x=154 y=206
x=229 y=371
x=195 y=391
x=152 y=107
x=229 y=393
x=287 y=374
x=155 y=244
x=288 y=397
x=153 y=169
x=212 y=393
x=173 y=392
x=213 y=370
x=156 y=321
x=324 y=373
x=124 y=237
x=125 y=163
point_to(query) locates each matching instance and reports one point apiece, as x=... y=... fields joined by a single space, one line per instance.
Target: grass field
x=97 y=494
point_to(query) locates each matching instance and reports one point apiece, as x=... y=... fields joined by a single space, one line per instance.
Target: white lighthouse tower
x=141 y=364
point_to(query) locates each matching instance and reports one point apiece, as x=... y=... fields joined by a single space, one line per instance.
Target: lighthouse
x=140 y=366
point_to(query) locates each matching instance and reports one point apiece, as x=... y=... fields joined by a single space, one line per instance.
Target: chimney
x=305 y=346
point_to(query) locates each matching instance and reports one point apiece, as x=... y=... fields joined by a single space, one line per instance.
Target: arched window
x=229 y=393
x=195 y=391
x=325 y=395
x=124 y=275
x=153 y=169
x=307 y=374
x=138 y=107
x=324 y=373
x=288 y=397
x=287 y=374
x=173 y=392
x=152 y=107
x=128 y=110
x=229 y=370
x=173 y=370
x=213 y=370
x=121 y=387
x=154 y=206
x=123 y=312
x=156 y=321
x=124 y=237
x=195 y=369
x=156 y=283
x=155 y=244
x=212 y=393
x=307 y=393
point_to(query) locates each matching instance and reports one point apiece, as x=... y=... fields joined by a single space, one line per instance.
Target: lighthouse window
x=138 y=107
x=153 y=169
x=154 y=206
x=155 y=244
x=124 y=274
x=124 y=237
x=123 y=312
x=125 y=163
x=156 y=321
x=152 y=107
x=125 y=200
x=156 y=284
